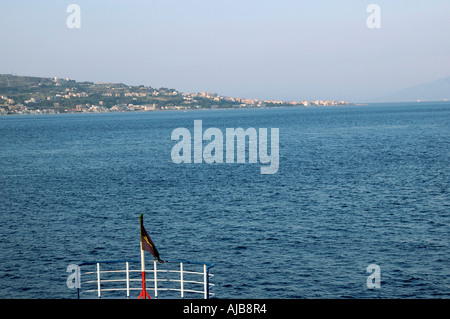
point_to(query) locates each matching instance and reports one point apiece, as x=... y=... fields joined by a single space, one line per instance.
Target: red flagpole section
x=143 y=294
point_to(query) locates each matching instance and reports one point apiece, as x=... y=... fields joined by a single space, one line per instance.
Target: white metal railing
x=172 y=279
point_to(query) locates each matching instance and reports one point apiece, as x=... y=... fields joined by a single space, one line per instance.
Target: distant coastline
x=41 y=95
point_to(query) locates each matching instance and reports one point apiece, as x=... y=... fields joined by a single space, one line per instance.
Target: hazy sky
x=279 y=49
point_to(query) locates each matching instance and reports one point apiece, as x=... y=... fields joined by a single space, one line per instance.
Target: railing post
x=156 y=279
x=128 y=280
x=205 y=282
x=98 y=280
x=181 y=280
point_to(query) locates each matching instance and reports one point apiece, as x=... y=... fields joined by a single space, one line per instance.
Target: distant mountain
x=438 y=90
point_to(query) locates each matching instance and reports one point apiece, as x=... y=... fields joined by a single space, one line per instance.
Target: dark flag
x=147 y=243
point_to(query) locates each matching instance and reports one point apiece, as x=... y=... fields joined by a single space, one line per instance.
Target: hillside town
x=38 y=95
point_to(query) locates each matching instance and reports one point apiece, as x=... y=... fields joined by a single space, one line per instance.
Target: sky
x=280 y=49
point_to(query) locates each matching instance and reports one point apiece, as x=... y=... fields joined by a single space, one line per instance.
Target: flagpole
x=143 y=293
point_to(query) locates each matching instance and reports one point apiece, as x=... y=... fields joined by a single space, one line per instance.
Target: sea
x=357 y=186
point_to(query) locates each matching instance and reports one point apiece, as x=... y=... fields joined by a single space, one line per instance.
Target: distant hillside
x=37 y=95
x=438 y=90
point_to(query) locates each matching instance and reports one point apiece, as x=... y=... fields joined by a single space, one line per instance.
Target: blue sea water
x=356 y=185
